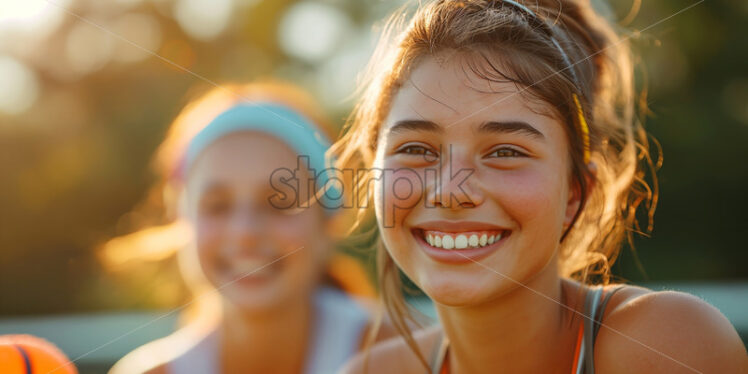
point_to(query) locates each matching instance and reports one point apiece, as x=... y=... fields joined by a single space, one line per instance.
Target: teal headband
x=276 y=120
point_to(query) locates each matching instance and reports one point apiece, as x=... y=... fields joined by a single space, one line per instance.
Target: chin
x=449 y=284
x=253 y=301
x=454 y=294
x=252 y=294
x=460 y=289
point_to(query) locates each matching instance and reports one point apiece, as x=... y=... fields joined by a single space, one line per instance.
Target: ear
x=574 y=200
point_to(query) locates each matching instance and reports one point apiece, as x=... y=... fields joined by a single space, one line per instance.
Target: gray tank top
x=594 y=308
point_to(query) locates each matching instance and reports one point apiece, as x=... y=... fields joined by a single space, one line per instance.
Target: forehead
x=445 y=89
x=246 y=157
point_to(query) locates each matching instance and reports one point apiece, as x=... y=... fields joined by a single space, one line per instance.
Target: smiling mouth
x=246 y=270
x=461 y=240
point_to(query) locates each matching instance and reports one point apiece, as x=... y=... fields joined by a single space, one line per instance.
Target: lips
x=256 y=266
x=250 y=270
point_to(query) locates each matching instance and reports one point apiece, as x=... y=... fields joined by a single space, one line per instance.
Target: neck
x=523 y=331
x=278 y=338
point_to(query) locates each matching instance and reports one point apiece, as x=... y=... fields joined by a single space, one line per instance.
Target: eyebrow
x=415 y=125
x=503 y=127
x=213 y=188
x=510 y=127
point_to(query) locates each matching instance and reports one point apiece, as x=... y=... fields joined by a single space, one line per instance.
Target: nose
x=453 y=184
x=246 y=227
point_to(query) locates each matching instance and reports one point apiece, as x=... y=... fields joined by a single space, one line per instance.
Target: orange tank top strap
x=578 y=348
x=439 y=355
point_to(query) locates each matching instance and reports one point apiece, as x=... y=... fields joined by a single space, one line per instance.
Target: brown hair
x=501 y=43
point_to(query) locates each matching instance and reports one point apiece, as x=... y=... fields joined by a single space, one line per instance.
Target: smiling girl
x=268 y=285
x=506 y=162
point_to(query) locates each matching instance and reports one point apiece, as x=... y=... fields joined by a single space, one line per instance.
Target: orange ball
x=27 y=354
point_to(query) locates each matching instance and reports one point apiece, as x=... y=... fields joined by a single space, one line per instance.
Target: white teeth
x=448 y=242
x=473 y=240
x=461 y=242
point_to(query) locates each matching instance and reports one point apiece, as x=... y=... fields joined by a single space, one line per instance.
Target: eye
x=505 y=152
x=215 y=207
x=416 y=150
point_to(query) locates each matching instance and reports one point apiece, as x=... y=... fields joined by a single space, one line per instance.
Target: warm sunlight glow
x=32 y=16
x=311 y=31
x=20 y=86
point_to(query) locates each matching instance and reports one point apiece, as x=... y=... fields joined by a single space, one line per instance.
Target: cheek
x=304 y=233
x=209 y=234
x=208 y=231
x=396 y=192
x=531 y=197
x=396 y=195
x=294 y=230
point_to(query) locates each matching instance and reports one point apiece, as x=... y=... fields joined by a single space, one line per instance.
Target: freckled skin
x=529 y=195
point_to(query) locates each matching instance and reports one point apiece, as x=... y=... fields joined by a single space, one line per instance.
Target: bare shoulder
x=146 y=359
x=379 y=321
x=645 y=331
x=383 y=327
x=394 y=355
x=159 y=369
x=154 y=357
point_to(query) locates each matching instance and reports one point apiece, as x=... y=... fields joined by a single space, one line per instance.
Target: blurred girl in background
x=257 y=254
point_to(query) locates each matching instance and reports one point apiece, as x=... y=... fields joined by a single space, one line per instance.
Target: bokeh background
x=88 y=88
